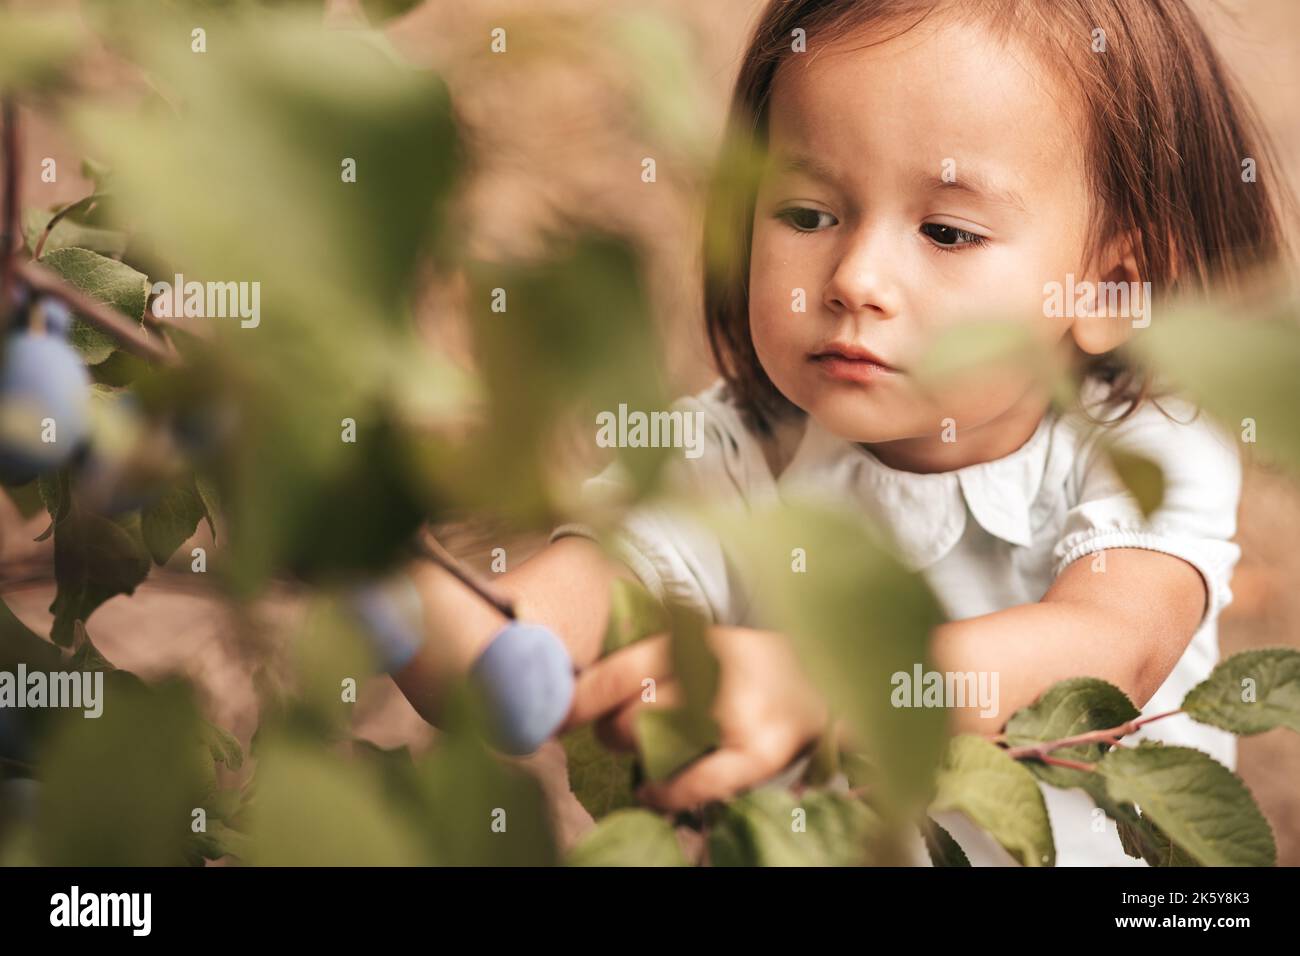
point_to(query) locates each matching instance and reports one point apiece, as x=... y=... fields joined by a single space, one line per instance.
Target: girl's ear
x=1118 y=302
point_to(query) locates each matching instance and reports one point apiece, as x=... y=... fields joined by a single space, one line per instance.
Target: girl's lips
x=860 y=370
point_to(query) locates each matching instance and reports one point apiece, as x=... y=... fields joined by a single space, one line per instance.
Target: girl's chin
x=860 y=420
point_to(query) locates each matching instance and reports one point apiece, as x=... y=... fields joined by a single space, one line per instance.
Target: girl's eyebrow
x=973 y=183
x=809 y=166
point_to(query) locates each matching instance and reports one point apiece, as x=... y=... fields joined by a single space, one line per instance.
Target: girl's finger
x=617 y=729
x=718 y=776
x=617 y=679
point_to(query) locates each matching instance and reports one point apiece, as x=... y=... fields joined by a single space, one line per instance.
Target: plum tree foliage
x=225 y=166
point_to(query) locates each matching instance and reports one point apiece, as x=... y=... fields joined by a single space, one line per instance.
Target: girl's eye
x=803 y=219
x=950 y=237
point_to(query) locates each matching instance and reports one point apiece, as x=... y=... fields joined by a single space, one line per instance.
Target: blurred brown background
x=558 y=131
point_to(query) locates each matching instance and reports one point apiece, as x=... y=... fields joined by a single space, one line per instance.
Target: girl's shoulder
x=734 y=451
x=1199 y=460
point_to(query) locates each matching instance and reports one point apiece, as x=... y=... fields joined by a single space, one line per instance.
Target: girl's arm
x=1128 y=625
x=565 y=587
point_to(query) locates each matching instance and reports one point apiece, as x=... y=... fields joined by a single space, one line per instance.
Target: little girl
x=927 y=163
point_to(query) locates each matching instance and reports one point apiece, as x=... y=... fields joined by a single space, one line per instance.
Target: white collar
x=924 y=513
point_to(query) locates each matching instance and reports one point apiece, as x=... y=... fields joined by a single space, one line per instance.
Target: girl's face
x=914 y=184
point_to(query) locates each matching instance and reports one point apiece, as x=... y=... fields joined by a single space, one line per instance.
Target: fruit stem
x=428 y=547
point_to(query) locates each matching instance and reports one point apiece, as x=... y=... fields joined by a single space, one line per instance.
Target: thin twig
x=1110 y=735
x=428 y=547
x=94 y=313
x=58 y=218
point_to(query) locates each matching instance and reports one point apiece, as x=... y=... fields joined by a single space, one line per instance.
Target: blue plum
x=525 y=679
x=392 y=618
x=58 y=317
x=42 y=377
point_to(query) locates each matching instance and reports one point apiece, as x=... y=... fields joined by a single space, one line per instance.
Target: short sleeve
x=1197 y=517
x=672 y=554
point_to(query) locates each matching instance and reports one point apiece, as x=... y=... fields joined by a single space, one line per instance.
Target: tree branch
x=131 y=337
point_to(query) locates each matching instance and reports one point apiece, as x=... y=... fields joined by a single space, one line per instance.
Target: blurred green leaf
x=574 y=340
x=601 y=779
x=27 y=498
x=168 y=522
x=479 y=811
x=668 y=740
x=35 y=47
x=119 y=790
x=629 y=838
x=633 y=614
x=1141 y=476
x=998 y=794
x=312 y=808
x=857 y=617
x=1200 y=804
x=1240 y=369
x=95 y=558
x=773 y=827
x=1250 y=692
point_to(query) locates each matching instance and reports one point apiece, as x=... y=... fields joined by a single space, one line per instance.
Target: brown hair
x=1167 y=136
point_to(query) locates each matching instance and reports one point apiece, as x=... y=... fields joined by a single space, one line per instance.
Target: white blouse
x=985 y=537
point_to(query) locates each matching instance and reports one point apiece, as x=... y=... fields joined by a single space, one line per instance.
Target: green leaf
x=1068 y=708
x=633 y=614
x=119 y=790
x=211 y=507
x=1239 y=365
x=56 y=493
x=999 y=795
x=95 y=558
x=1250 y=692
x=1143 y=840
x=857 y=617
x=69 y=233
x=168 y=522
x=27 y=498
x=773 y=827
x=111 y=282
x=481 y=812
x=377 y=11
x=1203 y=806
x=1141 y=476
x=551 y=355
x=629 y=838
x=943 y=849
x=313 y=809
x=224 y=747
x=601 y=779
x=670 y=739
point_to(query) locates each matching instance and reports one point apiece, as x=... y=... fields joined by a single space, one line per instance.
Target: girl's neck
x=994 y=439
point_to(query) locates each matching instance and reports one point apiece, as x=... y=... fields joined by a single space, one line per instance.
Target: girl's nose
x=862 y=280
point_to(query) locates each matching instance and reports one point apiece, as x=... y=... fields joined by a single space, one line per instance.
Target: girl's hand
x=766 y=709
